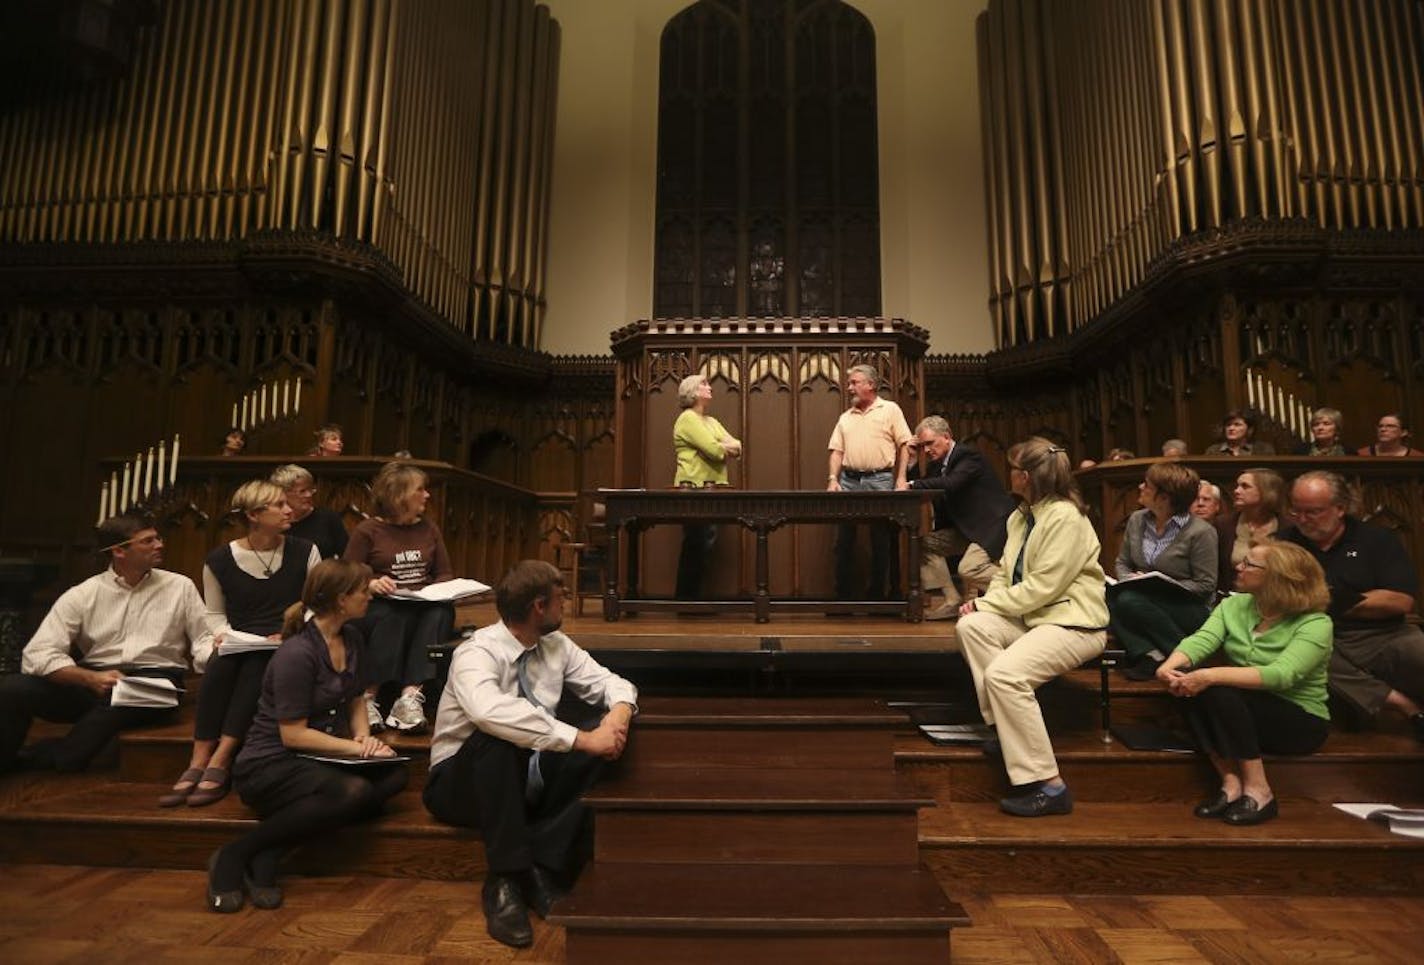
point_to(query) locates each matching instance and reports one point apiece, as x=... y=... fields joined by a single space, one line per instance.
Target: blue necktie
x=1023 y=550
x=534 y=786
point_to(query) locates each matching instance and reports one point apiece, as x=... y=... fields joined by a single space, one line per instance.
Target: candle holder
x=270 y=405
x=145 y=482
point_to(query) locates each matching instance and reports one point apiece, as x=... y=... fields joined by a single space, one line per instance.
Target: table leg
x=763 y=576
x=614 y=565
x=915 y=603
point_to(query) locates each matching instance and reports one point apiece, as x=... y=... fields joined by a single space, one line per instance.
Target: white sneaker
x=373 y=715
x=408 y=713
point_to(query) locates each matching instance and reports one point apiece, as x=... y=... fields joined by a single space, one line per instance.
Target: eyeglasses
x=1310 y=512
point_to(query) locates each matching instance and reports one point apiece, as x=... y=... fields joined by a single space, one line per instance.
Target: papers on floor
x=240 y=641
x=1406 y=821
x=955 y=733
x=153 y=692
x=354 y=761
x=449 y=591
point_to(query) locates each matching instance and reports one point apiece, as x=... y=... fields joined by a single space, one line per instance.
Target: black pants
x=697 y=542
x=227 y=701
x=1241 y=725
x=399 y=636
x=884 y=562
x=24 y=697
x=482 y=786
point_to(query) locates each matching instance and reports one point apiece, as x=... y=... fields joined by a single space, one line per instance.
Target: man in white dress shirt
x=130 y=620
x=502 y=762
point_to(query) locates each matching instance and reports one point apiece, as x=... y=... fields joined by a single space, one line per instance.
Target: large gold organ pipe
x=1116 y=127
x=423 y=127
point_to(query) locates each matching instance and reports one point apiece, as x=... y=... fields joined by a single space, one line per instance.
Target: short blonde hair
x=687 y=390
x=394 y=484
x=290 y=475
x=1294 y=582
x=255 y=496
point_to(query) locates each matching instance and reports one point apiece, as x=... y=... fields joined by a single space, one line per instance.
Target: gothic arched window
x=768 y=185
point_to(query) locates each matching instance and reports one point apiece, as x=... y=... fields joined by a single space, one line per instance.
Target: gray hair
x=1331 y=415
x=1340 y=494
x=1175 y=445
x=1213 y=490
x=290 y=475
x=687 y=390
x=871 y=376
x=937 y=424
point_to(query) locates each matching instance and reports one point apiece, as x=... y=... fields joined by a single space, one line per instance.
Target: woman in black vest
x=247 y=584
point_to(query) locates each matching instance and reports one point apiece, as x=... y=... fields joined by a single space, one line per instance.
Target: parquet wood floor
x=62 y=915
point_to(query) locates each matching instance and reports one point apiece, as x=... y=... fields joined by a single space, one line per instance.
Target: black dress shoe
x=1214 y=807
x=991 y=746
x=542 y=889
x=266 y=897
x=225 y=901
x=1144 y=668
x=506 y=915
x=1245 y=810
x=1037 y=804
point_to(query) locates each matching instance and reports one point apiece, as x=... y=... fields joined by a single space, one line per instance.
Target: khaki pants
x=1009 y=661
x=976 y=570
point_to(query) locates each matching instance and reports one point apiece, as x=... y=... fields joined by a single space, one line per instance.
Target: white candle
x=262 y=403
x=297 y=402
x=173 y=469
x=103 y=502
x=1280 y=404
x=138 y=473
x=148 y=475
x=124 y=490
x=163 y=462
x=113 y=495
x=287 y=397
x=243 y=424
x=1250 y=392
x=234 y=419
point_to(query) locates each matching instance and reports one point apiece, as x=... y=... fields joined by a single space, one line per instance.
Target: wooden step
x=1137 y=848
x=119 y=824
x=1352 y=766
x=719 y=815
x=696 y=914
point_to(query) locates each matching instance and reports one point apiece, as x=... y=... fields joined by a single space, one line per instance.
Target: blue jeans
x=884 y=561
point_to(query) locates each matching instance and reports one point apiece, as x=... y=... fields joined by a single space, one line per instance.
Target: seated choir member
x=311 y=704
x=500 y=760
x=234 y=442
x=1043 y=615
x=131 y=619
x=1258 y=500
x=1207 y=505
x=1175 y=449
x=329 y=441
x=247 y=584
x=1148 y=618
x=1326 y=426
x=1268 y=696
x=1237 y=431
x=406 y=552
x=1391 y=438
x=310 y=522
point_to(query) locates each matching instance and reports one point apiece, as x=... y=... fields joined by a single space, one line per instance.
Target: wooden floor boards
x=61 y=915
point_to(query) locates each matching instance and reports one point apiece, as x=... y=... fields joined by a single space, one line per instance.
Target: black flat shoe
x=266 y=897
x=542 y=889
x=1214 y=807
x=224 y=902
x=1037 y=804
x=506 y=914
x=1245 y=810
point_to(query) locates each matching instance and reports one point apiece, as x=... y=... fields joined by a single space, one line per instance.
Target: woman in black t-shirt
x=247 y=584
x=311 y=704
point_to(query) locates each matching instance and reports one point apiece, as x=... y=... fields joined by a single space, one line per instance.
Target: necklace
x=267 y=563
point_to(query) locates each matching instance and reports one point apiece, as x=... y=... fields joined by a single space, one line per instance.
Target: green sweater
x=1292 y=655
x=698 y=443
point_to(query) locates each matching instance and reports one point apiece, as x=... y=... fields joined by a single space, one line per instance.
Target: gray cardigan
x=1190 y=559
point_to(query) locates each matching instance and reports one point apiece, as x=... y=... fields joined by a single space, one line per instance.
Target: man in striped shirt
x=130 y=620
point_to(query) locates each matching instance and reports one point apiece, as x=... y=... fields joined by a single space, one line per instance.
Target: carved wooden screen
x=768 y=185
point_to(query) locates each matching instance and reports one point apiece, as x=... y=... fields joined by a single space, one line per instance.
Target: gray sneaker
x=408 y=712
x=373 y=715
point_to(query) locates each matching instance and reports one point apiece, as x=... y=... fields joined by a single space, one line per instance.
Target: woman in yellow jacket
x=1043 y=615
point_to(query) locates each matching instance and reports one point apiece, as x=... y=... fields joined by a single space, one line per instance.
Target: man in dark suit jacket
x=970 y=510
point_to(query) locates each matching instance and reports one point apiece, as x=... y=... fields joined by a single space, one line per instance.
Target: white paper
x=144 y=692
x=443 y=592
x=240 y=641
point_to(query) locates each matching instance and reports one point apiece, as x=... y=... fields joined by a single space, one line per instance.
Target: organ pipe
x=1114 y=128
x=421 y=127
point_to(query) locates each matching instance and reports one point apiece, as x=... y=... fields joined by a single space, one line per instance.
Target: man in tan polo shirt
x=868 y=451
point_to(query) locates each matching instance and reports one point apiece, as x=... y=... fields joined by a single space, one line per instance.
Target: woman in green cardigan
x=1268 y=696
x=703 y=447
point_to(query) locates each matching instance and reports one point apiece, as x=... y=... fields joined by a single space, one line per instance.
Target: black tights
x=300 y=800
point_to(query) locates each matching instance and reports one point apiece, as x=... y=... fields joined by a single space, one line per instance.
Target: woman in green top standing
x=703 y=447
x=1269 y=694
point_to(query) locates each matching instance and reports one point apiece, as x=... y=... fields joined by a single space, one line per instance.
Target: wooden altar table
x=629 y=511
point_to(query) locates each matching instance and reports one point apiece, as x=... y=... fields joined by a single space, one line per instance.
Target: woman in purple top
x=311 y=705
